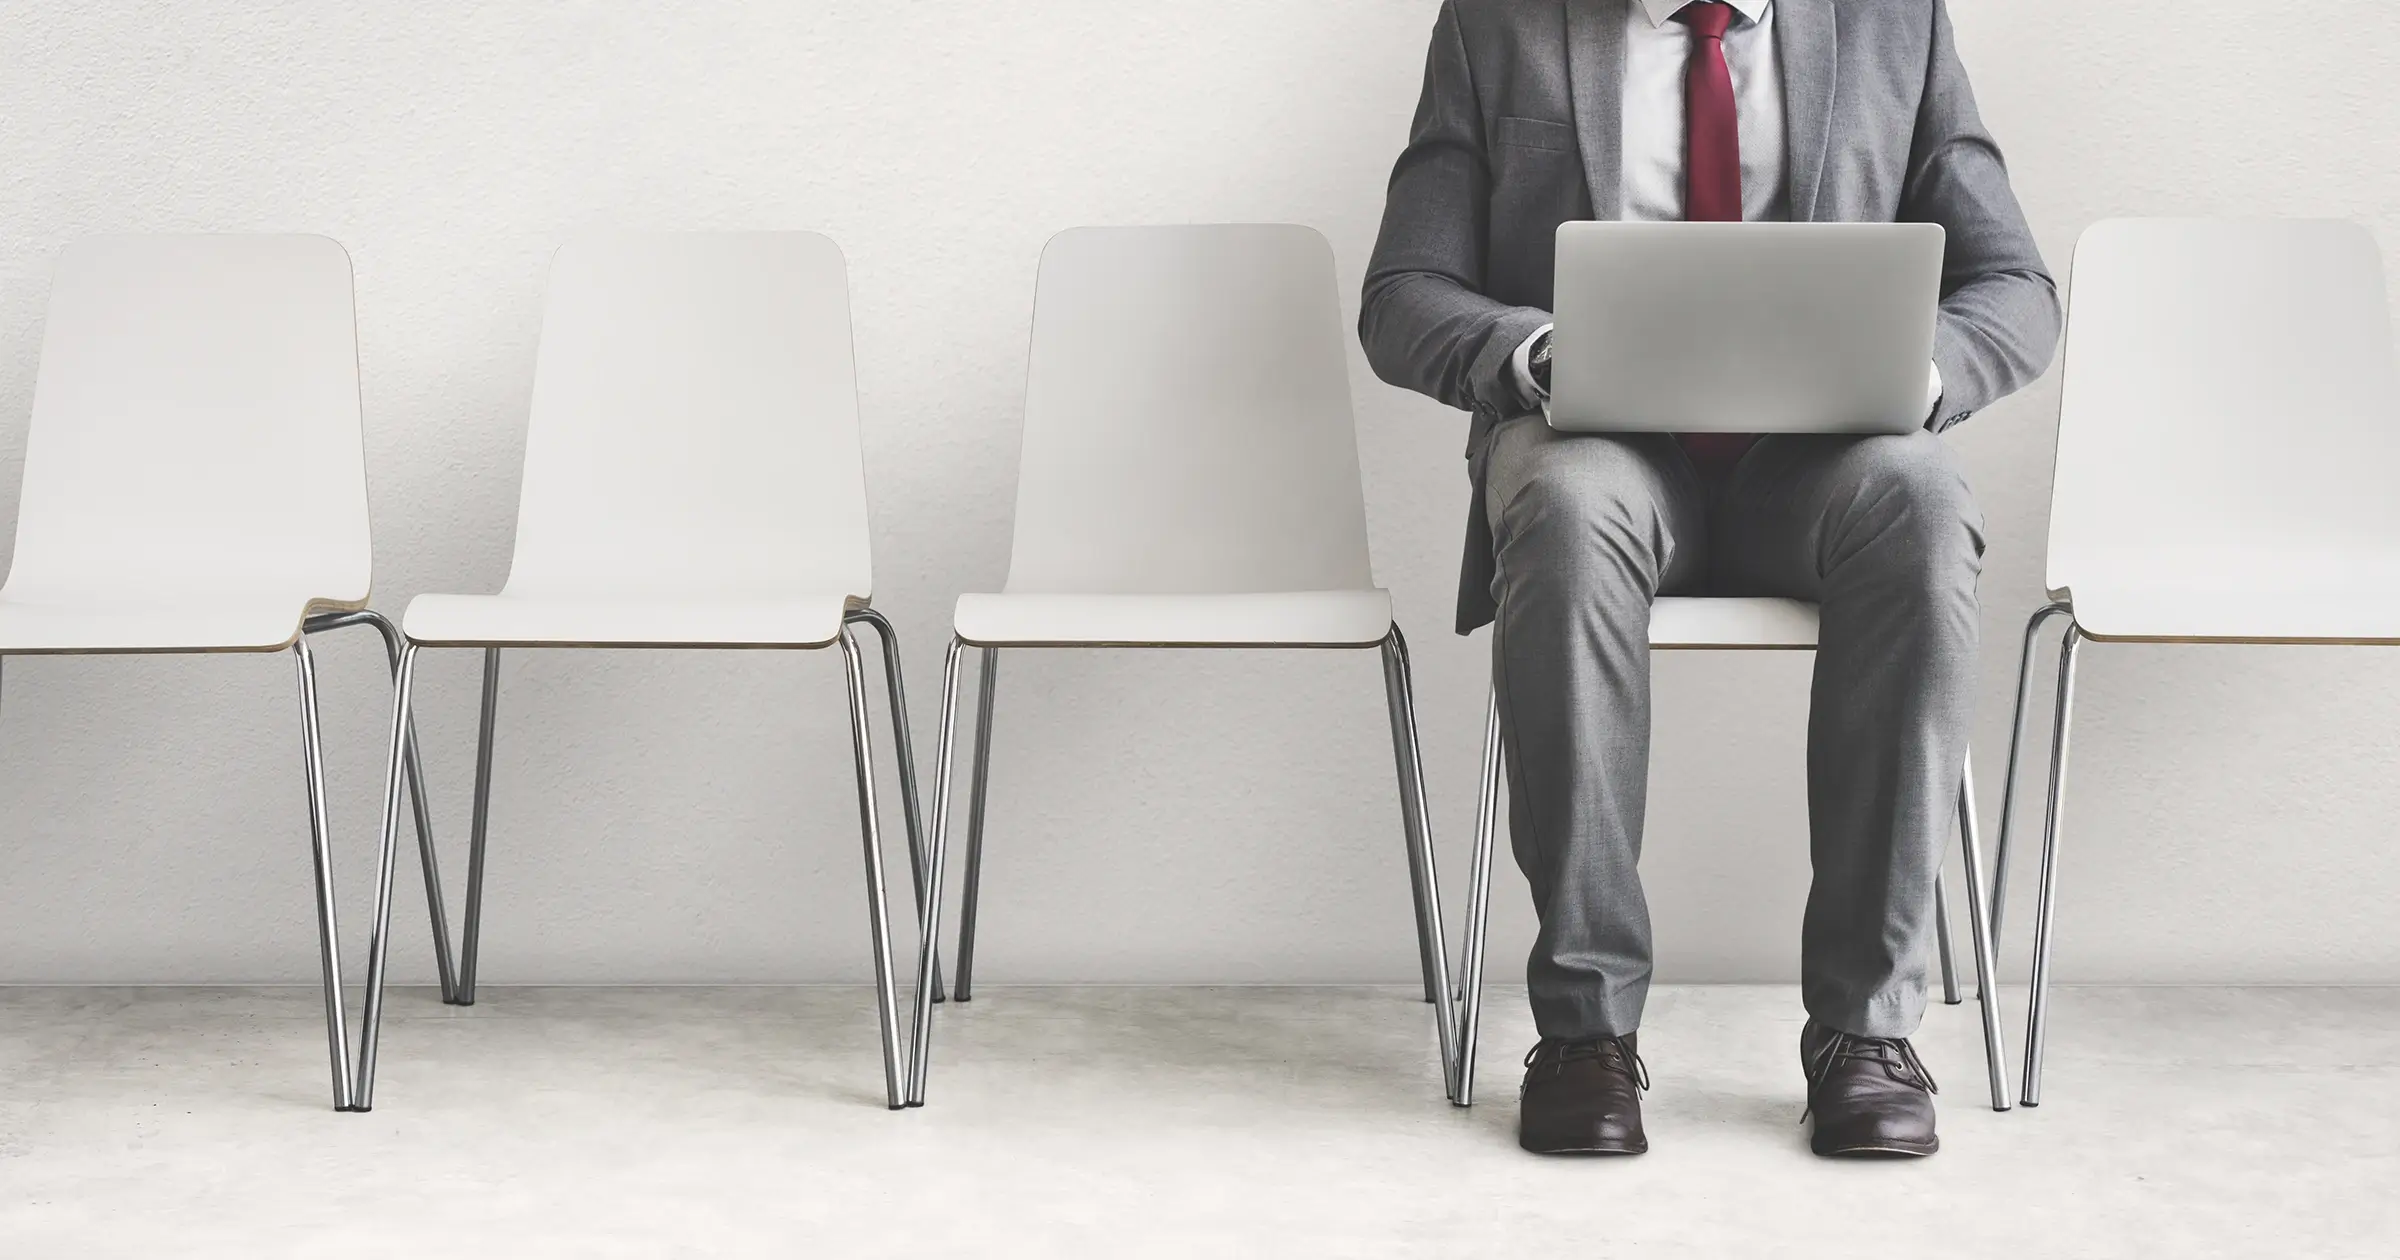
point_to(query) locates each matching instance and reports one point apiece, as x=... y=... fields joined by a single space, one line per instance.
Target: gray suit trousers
x=1881 y=532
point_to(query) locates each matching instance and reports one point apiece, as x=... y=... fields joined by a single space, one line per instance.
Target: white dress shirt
x=1658 y=52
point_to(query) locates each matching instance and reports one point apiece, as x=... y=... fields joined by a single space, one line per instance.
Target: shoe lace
x=1615 y=1054
x=1893 y=1054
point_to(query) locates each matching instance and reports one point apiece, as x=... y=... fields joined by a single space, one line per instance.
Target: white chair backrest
x=1187 y=418
x=195 y=426
x=694 y=426
x=2229 y=408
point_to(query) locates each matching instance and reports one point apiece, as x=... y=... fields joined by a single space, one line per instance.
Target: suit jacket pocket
x=1534 y=133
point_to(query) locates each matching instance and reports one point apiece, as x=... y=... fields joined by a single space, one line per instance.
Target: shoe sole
x=1879 y=1150
x=1615 y=1149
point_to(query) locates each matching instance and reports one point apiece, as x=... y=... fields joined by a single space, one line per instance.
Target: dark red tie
x=1712 y=171
x=1712 y=138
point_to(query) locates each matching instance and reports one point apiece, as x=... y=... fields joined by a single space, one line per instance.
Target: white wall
x=1159 y=817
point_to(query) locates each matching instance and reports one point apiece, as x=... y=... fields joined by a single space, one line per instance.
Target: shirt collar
x=1661 y=12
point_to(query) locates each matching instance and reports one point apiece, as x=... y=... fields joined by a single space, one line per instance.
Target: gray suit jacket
x=1520 y=128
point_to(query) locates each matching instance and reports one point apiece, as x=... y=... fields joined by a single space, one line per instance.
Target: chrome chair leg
x=1400 y=691
x=437 y=908
x=362 y=1096
x=2046 y=908
x=1479 y=907
x=470 y=946
x=878 y=915
x=904 y=749
x=2016 y=741
x=929 y=929
x=337 y=1030
x=1941 y=933
x=1979 y=932
x=1412 y=817
x=971 y=894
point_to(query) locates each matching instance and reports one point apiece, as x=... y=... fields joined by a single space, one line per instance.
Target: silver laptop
x=1744 y=327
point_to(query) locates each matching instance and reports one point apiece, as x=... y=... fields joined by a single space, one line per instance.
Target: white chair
x=2226 y=440
x=1189 y=478
x=692 y=480
x=1715 y=624
x=195 y=481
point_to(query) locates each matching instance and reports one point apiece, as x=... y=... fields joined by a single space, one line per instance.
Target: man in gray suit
x=1536 y=112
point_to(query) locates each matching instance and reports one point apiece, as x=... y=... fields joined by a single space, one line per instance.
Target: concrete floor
x=674 y=1122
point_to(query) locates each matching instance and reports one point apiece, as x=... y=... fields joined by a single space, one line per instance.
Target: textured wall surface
x=1155 y=817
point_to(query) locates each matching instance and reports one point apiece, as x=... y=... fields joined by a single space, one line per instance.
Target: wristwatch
x=1537 y=364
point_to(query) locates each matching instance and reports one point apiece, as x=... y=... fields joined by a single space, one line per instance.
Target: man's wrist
x=1532 y=367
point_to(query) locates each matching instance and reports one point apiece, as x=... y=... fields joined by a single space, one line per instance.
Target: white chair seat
x=1281 y=619
x=791 y=621
x=2222 y=614
x=1325 y=618
x=218 y=623
x=1694 y=622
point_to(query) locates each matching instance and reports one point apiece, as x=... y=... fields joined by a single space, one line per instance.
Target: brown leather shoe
x=1583 y=1098
x=1870 y=1097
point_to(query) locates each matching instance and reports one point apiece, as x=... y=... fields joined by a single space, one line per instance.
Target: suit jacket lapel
x=1805 y=36
x=1596 y=80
